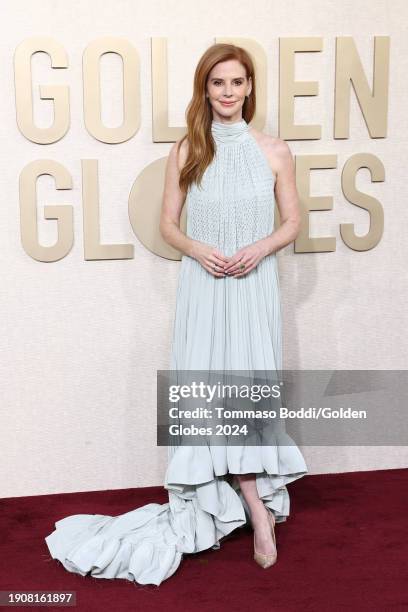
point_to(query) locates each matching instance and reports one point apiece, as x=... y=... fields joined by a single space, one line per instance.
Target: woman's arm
x=173 y=200
x=287 y=199
x=207 y=255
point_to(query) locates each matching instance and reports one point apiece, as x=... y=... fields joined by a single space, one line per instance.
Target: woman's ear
x=249 y=86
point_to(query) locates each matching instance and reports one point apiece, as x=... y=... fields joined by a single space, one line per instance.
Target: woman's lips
x=227 y=103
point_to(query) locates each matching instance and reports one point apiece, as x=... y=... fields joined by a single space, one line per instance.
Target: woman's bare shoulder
x=275 y=149
x=178 y=153
x=269 y=141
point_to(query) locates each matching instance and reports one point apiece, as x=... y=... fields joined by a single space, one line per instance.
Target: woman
x=227 y=318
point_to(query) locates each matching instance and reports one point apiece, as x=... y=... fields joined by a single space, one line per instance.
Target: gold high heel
x=266 y=561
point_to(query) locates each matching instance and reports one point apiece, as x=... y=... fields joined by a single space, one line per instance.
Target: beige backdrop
x=81 y=340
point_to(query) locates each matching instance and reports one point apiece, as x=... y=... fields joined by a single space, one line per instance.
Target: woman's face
x=227 y=82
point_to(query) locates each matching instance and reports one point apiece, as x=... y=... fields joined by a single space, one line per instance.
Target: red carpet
x=344 y=547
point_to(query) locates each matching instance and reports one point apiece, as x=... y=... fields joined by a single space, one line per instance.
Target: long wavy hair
x=201 y=145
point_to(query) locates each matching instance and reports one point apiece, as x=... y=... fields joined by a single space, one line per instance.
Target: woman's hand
x=209 y=256
x=250 y=256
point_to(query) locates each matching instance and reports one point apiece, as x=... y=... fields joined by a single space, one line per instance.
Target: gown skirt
x=222 y=323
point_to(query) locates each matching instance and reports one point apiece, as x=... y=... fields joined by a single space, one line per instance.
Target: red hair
x=201 y=149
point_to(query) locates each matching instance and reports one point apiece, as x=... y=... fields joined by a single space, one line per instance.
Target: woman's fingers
x=220 y=261
x=215 y=272
x=212 y=266
x=233 y=261
x=219 y=265
x=221 y=257
x=237 y=266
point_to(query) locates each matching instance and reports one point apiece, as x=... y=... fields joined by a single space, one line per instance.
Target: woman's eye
x=219 y=82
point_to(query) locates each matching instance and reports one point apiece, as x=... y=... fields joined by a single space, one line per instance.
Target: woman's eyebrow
x=220 y=79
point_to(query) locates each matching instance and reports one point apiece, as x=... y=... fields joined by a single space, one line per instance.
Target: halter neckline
x=229 y=132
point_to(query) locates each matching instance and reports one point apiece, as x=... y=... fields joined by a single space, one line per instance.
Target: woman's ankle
x=258 y=511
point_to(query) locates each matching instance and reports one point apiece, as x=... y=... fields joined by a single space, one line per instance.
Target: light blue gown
x=223 y=323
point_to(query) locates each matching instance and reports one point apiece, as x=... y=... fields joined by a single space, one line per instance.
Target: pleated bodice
x=234 y=205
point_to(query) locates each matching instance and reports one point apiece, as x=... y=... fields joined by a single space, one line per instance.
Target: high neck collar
x=229 y=132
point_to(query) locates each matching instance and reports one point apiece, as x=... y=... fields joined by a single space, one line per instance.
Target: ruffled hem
x=146 y=545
